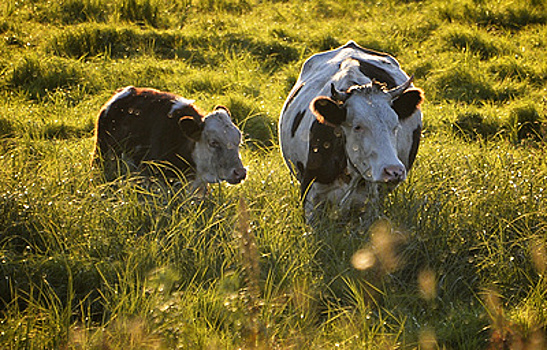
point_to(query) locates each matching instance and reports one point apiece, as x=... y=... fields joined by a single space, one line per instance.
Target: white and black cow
x=139 y=125
x=350 y=125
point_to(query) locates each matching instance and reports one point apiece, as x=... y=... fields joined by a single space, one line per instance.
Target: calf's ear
x=191 y=127
x=224 y=108
x=407 y=103
x=327 y=111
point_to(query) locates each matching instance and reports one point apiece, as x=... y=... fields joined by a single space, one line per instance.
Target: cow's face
x=216 y=152
x=369 y=117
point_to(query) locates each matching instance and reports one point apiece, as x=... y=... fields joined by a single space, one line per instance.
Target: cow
x=137 y=126
x=350 y=128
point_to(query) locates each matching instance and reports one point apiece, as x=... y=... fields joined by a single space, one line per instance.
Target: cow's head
x=216 y=152
x=369 y=116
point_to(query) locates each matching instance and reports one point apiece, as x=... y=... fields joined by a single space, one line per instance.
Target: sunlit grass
x=456 y=261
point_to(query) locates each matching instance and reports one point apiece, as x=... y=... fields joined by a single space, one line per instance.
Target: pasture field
x=458 y=259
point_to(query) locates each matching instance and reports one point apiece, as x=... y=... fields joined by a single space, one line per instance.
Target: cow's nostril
x=240 y=173
x=394 y=173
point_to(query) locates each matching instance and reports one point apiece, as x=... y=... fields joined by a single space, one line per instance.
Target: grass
x=456 y=261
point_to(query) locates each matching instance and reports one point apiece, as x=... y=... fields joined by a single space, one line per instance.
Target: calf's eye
x=214 y=144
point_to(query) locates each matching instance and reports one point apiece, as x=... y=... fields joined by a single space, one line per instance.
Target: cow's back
x=137 y=125
x=321 y=67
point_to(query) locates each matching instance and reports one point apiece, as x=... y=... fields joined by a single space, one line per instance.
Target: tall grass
x=456 y=259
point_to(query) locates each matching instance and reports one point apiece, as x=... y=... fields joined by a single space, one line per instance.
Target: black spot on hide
x=294 y=94
x=296 y=122
x=376 y=73
x=326 y=156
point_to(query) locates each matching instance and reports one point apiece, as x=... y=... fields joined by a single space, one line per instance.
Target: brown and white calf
x=139 y=125
x=350 y=125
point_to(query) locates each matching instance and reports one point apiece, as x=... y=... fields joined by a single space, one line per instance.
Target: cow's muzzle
x=394 y=174
x=237 y=175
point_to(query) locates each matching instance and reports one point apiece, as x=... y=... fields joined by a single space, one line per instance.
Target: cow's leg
x=311 y=202
x=366 y=202
x=198 y=189
x=319 y=199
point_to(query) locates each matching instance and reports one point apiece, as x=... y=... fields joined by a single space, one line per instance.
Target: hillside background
x=456 y=261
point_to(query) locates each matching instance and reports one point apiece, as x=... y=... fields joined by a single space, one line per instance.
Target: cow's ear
x=407 y=103
x=191 y=127
x=224 y=108
x=327 y=111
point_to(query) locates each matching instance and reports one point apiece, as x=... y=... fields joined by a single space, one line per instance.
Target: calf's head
x=216 y=152
x=369 y=116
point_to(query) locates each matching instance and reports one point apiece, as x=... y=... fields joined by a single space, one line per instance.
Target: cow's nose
x=394 y=173
x=238 y=175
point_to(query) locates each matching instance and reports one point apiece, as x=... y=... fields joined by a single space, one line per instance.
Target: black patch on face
x=296 y=122
x=416 y=135
x=326 y=156
x=376 y=73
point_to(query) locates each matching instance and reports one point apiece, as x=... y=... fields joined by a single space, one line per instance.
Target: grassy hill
x=457 y=261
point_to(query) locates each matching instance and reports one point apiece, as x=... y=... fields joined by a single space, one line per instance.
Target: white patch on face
x=371 y=135
x=217 y=153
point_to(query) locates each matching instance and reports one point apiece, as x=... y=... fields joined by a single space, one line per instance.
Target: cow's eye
x=358 y=128
x=214 y=144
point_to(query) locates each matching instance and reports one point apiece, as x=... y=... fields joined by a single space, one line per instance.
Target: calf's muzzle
x=237 y=175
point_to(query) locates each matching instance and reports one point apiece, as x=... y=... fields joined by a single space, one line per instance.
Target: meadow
x=457 y=259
